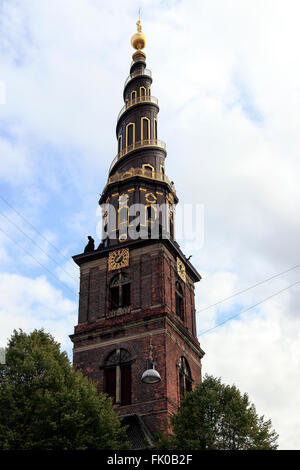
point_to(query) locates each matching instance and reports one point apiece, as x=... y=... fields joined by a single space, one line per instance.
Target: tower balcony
x=136 y=146
x=137 y=100
x=137 y=73
x=144 y=173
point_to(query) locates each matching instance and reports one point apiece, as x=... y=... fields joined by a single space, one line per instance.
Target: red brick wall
x=153 y=276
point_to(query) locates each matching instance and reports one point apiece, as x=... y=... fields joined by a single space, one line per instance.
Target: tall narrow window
x=133 y=96
x=118 y=376
x=151 y=218
x=130 y=134
x=179 y=300
x=122 y=217
x=145 y=128
x=105 y=223
x=155 y=129
x=119 y=291
x=185 y=377
x=142 y=91
x=149 y=168
x=151 y=214
x=110 y=383
x=171 y=224
x=119 y=143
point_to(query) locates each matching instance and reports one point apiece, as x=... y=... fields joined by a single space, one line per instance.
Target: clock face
x=181 y=269
x=118 y=259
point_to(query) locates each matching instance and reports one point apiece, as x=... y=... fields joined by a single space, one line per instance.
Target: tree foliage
x=45 y=405
x=217 y=416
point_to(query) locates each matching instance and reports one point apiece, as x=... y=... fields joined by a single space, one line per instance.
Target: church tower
x=137 y=301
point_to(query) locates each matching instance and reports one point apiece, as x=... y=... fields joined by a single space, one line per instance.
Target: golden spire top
x=138 y=40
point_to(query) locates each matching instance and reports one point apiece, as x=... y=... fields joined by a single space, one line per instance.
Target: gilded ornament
x=118 y=259
x=181 y=269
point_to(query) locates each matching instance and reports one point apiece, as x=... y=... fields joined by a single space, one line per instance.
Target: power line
x=33 y=241
x=34 y=228
x=248 y=288
x=37 y=261
x=249 y=308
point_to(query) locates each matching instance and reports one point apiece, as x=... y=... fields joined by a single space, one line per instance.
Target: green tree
x=217 y=416
x=45 y=405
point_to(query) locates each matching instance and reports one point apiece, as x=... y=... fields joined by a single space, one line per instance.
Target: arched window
x=185 y=377
x=122 y=219
x=179 y=300
x=155 y=129
x=119 y=143
x=130 y=134
x=119 y=291
x=145 y=128
x=151 y=215
x=118 y=376
x=171 y=224
x=142 y=91
x=122 y=216
x=149 y=168
x=133 y=96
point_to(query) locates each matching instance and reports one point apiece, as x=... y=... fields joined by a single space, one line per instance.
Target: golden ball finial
x=138 y=40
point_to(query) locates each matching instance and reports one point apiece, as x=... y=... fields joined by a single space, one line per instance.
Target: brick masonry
x=153 y=273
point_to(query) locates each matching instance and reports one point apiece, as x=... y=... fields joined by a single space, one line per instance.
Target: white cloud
x=34 y=303
x=259 y=353
x=15 y=164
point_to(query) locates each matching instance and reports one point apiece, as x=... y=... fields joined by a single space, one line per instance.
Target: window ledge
x=118 y=311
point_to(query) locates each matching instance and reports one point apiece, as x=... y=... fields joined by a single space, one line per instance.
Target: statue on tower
x=90 y=246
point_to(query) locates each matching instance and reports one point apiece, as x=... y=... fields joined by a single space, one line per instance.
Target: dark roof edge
x=172 y=245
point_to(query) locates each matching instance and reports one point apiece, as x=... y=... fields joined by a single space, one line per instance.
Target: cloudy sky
x=227 y=76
